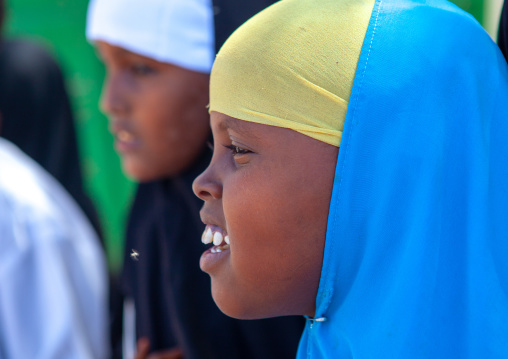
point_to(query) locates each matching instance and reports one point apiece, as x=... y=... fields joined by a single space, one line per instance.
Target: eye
x=236 y=151
x=140 y=69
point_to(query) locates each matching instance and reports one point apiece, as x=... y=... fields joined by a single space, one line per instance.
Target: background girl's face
x=268 y=189
x=157 y=113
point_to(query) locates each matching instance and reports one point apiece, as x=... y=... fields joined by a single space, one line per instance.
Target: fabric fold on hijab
x=285 y=55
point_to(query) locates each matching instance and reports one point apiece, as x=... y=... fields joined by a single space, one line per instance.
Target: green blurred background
x=60 y=26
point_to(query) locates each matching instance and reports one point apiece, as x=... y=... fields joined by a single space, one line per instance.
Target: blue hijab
x=416 y=254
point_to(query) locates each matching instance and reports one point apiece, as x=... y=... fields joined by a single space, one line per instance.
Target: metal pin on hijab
x=320 y=319
x=314 y=320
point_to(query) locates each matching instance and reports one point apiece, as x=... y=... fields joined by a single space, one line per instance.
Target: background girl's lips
x=124 y=136
x=125 y=141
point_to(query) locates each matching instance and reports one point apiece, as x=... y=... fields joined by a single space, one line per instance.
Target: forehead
x=110 y=52
x=224 y=123
x=261 y=138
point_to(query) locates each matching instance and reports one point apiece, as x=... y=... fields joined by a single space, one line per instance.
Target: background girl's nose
x=113 y=99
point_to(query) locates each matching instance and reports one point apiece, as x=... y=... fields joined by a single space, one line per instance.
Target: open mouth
x=217 y=236
x=125 y=141
x=124 y=136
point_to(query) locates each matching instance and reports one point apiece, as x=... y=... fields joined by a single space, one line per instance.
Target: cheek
x=284 y=207
x=249 y=227
x=184 y=124
x=277 y=232
x=175 y=134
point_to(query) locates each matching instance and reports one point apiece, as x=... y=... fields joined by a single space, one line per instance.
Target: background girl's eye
x=142 y=69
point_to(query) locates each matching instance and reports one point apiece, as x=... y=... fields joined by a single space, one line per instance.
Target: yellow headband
x=293 y=66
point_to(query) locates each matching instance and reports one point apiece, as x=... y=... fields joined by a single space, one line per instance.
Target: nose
x=113 y=98
x=207 y=186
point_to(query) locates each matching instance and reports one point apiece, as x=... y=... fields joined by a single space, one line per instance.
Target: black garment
x=36 y=115
x=230 y=14
x=174 y=306
x=503 y=31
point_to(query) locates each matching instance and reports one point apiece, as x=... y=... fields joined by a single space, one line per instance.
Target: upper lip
x=117 y=126
x=208 y=220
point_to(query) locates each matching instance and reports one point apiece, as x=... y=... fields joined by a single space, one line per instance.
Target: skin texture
x=157 y=113
x=270 y=191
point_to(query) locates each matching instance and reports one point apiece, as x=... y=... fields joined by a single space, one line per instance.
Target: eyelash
x=235 y=150
x=142 y=70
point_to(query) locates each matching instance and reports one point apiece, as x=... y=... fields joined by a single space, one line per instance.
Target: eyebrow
x=121 y=52
x=236 y=125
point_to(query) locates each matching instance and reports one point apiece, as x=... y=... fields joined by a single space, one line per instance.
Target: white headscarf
x=179 y=32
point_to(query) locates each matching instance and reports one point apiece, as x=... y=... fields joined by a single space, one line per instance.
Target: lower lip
x=123 y=147
x=210 y=261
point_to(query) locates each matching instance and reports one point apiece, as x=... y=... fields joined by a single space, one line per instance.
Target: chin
x=138 y=177
x=241 y=313
x=231 y=306
x=140 y=174
x=237 y=308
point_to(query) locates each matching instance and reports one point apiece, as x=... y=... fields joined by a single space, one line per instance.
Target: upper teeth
x=216 y=237
x=207 y=236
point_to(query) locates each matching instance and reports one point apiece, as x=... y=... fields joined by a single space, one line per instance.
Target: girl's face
x=268 y=190
x=157 y=113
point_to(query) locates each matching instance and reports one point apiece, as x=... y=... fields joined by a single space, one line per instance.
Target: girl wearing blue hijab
x=396 y=245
